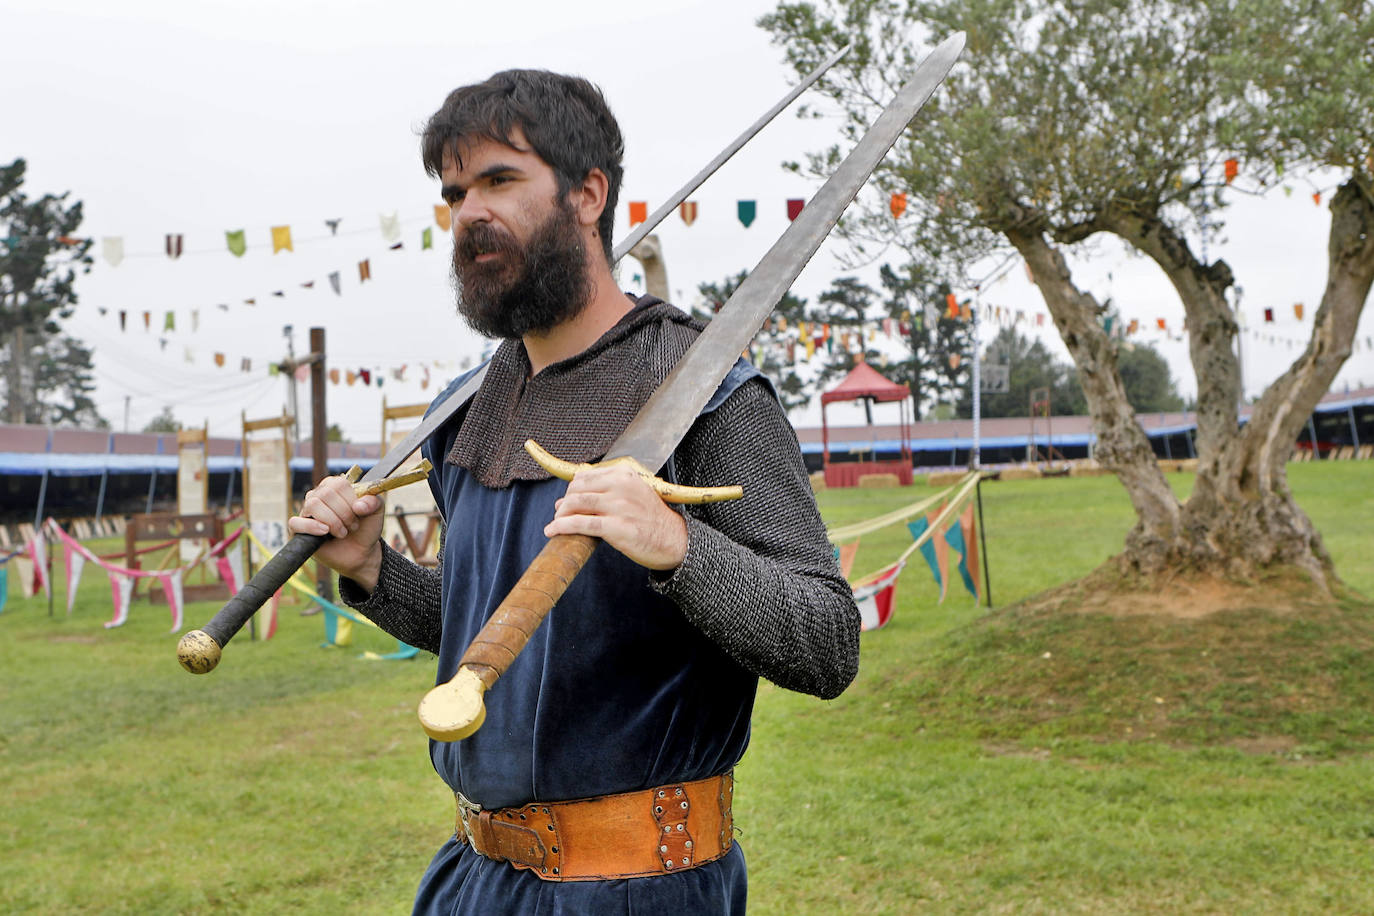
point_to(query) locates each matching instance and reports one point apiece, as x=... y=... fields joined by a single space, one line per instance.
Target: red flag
x=794 y=208
x=897 y=204
x=876 y=599
x=639 y=212
x=1162 y=325
x=1268 y=316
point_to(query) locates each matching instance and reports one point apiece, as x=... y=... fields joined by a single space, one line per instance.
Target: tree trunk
x=1122 y=445
x=649 y=253
x=14 y=377
x=1241 y=517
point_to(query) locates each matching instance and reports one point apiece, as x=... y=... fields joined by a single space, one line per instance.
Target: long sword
x=199 y=650
x=455 y=709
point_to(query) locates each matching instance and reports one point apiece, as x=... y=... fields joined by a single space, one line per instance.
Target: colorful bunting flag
x=877 y=599
x=174 y=242
x=112 y=247
x=169 y=323
x=334 y=282
x=391 y=226
x=333 y=225
x=639 y=212
x=443 y=217
x=746 y=210
x=688 y=211
x=951 y=306
x=1232 y=170
x=427 y=238
x=123 y=315
x=219 y=360
x=897 y=204
x=281 y=239
x=934 y=559
x=364 y=270
x=954 y=538
x=968 y=529
x=794 y=208
x=237 y=241
x=1297 y=310
x=147 y=320
x=1268 y=316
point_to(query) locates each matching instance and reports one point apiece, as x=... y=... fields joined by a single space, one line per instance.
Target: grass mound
x=1266 y=667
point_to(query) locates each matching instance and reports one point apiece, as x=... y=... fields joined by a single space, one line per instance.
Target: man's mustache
x=484 y=238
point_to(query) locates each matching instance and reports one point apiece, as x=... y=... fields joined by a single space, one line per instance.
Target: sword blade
x=673 y=407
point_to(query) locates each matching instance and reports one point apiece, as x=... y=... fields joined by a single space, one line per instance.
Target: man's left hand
x=615 y=504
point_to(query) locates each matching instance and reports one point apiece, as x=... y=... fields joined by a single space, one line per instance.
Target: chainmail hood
x=575 y=408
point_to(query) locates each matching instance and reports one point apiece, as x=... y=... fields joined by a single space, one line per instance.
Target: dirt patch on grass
x=1181 y=597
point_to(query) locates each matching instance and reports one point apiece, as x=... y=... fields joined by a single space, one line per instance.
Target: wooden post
x=319 y=442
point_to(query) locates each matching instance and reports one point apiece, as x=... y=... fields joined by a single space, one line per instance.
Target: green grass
x=295 y=779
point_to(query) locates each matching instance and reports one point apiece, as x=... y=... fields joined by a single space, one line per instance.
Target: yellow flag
x=443 y=216
x=810 y=347
x=281 y=238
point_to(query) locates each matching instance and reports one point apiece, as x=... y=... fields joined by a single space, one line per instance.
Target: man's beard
x=527 y=289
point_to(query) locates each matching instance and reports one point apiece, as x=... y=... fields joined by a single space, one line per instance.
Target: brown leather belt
x=630 y=835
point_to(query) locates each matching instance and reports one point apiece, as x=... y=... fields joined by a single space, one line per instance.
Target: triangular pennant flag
x=941 y=554
x=309 y=284
x=876 y=599
x=747 y=210
x=794 y=208
x=443 y=217
x=333 y=225
x=122 y=593
x=364 y=270
x=219 y=360
x=75 y=561
x=427 y=238
x=171 y=587
x=334 y=376
x=845 y=554
x=174 y=242
x=112 y=247
x=195 y=320
x=897 y=204
x=147 y=321
x=951 y=306
x=398 y=246
x=1268 y=317
x=281 y=239
x=954 y=538
x=123 y=317
x=350 y=377
x=169 y=323
x=918 y=527
x=334 y=282
x=639 y=212
x=391 y=226
x=1297 y=310
x=245 y=365
x=968 y=528
x=1232 y=168
x=237 y=241
x=688 y=211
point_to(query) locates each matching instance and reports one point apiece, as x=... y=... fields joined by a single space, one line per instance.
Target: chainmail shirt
x=759 y=578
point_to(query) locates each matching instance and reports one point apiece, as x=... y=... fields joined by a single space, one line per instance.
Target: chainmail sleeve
x=406 y=602
x=760 y=577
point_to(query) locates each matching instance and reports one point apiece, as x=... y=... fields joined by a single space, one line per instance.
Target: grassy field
x=1019 y=761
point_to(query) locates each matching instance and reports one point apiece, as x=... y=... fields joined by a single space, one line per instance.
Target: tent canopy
x=863 y=381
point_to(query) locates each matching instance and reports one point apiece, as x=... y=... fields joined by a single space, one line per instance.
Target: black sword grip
x=262 y=586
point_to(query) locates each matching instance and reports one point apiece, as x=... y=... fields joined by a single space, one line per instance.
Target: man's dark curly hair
x=565 y=118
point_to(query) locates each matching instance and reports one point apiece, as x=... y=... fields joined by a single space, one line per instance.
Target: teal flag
x=748 y=209
x=918 y=528
x=237 y=242
x=4 y=585
x=954 y=537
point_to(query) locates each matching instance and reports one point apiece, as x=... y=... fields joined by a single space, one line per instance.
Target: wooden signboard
x=267 y=497
x=193 y=485
x=412 y=519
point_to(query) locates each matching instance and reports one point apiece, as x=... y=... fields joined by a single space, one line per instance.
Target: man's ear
x=589 y=198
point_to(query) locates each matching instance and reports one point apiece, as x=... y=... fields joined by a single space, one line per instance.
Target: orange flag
x=897 y=204
x=968 y=527
x=281 y=238
x=1317 y=198
x=847 y=554
x=219 y=359
x=443 y=217
x=688 y=210
x=1297 y=310
x=364 y=270
x=1232 y=170
x=639 y=211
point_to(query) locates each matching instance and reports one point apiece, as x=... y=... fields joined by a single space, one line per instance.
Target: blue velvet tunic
x=615 y=692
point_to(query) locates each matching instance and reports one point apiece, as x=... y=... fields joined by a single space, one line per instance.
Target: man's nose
x=471 y=209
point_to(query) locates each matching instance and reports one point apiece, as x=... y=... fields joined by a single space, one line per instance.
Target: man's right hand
x=355 y=550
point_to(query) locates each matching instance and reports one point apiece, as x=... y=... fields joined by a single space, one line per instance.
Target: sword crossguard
x=669 y=492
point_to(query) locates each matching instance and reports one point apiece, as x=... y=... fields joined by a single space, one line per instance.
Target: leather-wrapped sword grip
x=529 y=602
x=252 y=596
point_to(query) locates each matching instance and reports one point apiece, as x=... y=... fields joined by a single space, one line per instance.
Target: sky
x=201 y=118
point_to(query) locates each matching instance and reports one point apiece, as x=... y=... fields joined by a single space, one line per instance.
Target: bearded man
x=600 y=782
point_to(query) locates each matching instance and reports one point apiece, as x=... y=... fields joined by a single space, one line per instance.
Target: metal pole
x=104 y=476
x=152 y=484
x=983 y=541
x=229 y=492
x=1312 y=437
x=975 y=457
x=42 y=489
x=1354 y=433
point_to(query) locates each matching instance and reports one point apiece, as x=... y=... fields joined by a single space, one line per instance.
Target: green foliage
x=1032 y=367
x=1149 y=384
x=164 y=422
x=47 y=377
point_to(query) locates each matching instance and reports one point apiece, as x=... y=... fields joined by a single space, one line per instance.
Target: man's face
x=519 y=260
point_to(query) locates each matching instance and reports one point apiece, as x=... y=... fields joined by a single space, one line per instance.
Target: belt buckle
x=467 y=809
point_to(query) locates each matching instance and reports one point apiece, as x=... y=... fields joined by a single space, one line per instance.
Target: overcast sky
x=198 y=118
